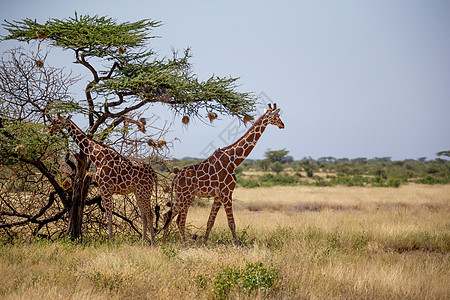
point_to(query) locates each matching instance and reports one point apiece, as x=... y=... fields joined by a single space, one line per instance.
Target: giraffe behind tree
x=115 y=174
x=214 y=177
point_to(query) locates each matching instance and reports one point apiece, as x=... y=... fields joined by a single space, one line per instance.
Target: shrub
x=428 y=179
x=247 y=183
x=254 y=277
x=269 y=180
x=277 y=167
x=394 y=182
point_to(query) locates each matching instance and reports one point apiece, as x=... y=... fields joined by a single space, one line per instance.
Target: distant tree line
x=279 y=168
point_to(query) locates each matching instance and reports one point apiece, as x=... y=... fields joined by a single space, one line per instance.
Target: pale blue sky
x=353 y=78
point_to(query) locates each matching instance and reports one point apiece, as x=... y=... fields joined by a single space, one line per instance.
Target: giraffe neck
x=239 y=150
x=86 y=144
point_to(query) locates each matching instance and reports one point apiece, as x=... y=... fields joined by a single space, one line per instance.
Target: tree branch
x=97 y=201
x=33 y=219
x=59 y=190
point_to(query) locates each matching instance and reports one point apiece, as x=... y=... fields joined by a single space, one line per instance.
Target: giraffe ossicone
x=214 y=177
x=116 y=174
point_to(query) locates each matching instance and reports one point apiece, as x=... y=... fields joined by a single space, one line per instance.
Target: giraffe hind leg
x=181 y=223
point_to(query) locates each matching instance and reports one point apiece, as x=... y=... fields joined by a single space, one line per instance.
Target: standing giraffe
x=214 y=177
x=115 y=174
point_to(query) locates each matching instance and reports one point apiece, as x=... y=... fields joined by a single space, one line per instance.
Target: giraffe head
x=273 y=115
x=58 y=124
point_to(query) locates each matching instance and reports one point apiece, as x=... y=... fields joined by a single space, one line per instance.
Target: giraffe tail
x=157 y=207
x=170 y=212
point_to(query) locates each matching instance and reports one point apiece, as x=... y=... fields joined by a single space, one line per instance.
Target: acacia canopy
x=134 y=72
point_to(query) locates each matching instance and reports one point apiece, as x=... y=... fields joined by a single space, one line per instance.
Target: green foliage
x=276 y=155
x=429 y=179
x=308 y=169
x=267 y=180
x=264 y=164
x=277 y=167
x=247 y=183
x=169 y=251
x=94 y=36
x=254 y=277
x=443 y=153
x=29 y=141
x=238 y=170
x=350 y=180
x=271 y=180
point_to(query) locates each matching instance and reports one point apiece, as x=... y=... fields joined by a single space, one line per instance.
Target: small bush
x=268 y=180
x=247 y=183
x=429 y=179
x=394 y=182
x=254 y=277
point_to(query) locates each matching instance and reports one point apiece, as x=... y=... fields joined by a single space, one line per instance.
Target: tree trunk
x=80 y=190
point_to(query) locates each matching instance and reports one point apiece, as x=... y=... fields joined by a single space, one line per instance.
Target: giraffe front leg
x=229 y=211
x=212 y=217
x=106 y=198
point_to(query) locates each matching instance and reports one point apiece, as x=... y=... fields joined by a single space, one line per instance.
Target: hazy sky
x=353 y=78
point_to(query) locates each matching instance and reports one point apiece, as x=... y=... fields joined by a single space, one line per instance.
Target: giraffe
x=214 y=177
x=115 y=174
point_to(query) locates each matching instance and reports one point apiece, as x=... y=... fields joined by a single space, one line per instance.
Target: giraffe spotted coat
x=115 y=174
x=214 y=177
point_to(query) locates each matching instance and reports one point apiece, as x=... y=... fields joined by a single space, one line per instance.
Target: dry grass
x=336 y=242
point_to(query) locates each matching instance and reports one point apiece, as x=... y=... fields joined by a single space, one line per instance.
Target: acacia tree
x=277 y=155
x=126 y=78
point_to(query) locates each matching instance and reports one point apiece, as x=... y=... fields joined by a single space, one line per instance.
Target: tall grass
x=297 y=242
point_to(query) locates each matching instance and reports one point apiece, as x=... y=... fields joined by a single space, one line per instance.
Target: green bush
x=429 y=179
x=254 y=277
x=277 y=167
x=247 y=183
x=394 y=182
x=269 y=180
x=350 y=180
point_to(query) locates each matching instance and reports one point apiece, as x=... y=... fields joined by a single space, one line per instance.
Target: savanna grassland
x=298 y=242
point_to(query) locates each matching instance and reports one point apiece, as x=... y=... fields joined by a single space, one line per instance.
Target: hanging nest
x=212 y=116
x=161 y=143
x=141 y=127
x=66 y=185
x=39 y=63
x=143 y=121
x=41 y=35
x=175 y=170
x=122 y=50
x=166 y=189
x=247 y=119
x=185 y=120
x=151 y=143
